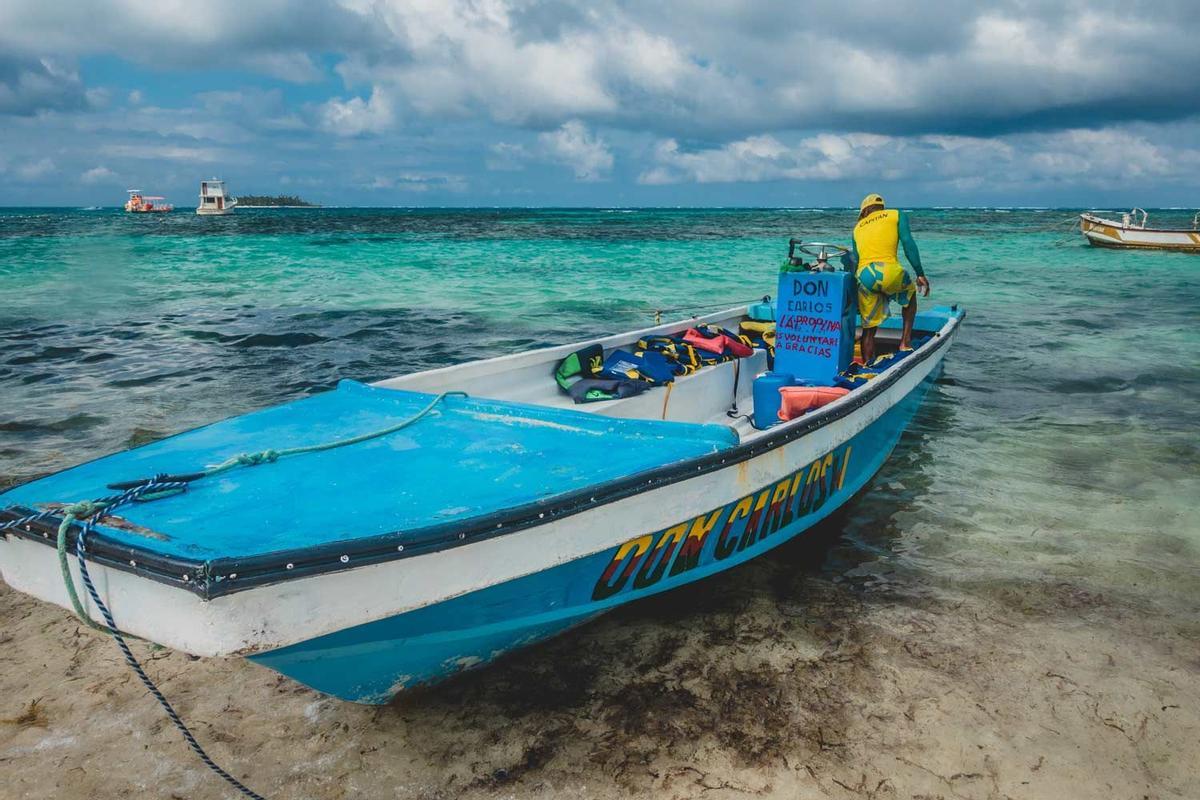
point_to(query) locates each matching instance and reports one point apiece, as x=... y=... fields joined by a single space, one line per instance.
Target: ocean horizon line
x=319 y=207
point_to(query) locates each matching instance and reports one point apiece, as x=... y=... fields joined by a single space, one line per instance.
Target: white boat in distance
x=1131 y=232
x=213 y=199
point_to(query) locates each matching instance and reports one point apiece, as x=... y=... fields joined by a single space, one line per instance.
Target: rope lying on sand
x=130 y=659
x=92 y=512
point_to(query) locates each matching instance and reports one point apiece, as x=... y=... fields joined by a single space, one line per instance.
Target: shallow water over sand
x=1037 y=520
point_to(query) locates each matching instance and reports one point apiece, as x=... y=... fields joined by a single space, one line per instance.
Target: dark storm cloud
x=718 y=70
x=29 y=85
x=274 y=37
x=934 y=67
x=713 y=70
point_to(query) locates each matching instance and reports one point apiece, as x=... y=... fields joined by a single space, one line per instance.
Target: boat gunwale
x=212 y=578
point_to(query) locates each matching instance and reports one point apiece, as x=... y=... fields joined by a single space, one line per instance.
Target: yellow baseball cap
x=871 y=200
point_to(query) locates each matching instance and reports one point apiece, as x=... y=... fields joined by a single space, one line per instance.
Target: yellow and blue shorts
x=880 y=282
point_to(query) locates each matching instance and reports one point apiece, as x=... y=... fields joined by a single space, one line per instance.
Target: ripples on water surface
x=1060 y=444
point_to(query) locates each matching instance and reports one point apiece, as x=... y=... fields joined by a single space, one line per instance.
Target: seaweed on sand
x=32 y=717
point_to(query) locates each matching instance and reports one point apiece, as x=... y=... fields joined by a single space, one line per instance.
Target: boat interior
x=716 y=394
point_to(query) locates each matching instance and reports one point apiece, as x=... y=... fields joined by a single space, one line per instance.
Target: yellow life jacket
x=877 y=236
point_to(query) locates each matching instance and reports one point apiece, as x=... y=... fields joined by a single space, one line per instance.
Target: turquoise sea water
x=1062 y=443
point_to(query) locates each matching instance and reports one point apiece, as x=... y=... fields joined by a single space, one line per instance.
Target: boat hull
x=371 y=663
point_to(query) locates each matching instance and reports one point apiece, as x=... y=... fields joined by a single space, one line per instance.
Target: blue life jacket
x=646 y=365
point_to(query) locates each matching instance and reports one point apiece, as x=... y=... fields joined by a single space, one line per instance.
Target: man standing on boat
x=881 y=278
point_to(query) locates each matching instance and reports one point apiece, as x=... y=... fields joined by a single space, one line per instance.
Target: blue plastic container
x=766 y=397
x=761 y=312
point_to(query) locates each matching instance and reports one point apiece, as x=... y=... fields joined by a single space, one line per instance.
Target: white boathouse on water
x=214 y=200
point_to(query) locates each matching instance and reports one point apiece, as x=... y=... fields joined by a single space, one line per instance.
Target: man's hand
x=923 y=284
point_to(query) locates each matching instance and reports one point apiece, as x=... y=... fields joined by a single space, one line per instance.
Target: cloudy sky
x=603 y=102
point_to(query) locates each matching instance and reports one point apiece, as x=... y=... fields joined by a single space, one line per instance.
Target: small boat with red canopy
x=139 y=203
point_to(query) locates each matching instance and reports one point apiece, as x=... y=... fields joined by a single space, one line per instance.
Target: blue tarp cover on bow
x=467 y=458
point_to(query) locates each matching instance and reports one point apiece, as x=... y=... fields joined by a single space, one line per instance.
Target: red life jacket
x=717 y=340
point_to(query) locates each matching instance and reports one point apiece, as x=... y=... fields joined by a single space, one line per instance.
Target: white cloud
x=300 y=180
x=356 y=117
x=32 y=170
x=165 y=152
x=97 y=97
x=98 y=175
x=587 y=155
x=292 y=67
x=1106 y=153
x=418 y=182
x=1099 y=157
x=762 y=158
x=250 y=109
x=506 y=157
x=449 y=58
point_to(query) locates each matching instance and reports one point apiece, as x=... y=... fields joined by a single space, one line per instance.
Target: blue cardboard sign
x=814 y=325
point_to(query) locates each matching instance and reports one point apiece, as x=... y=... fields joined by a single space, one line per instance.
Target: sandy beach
x=806 y=674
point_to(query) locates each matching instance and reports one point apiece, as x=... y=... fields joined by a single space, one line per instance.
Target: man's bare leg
x=909 y=315
x=868 y=344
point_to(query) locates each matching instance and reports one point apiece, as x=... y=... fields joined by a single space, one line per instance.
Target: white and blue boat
x=497 y=519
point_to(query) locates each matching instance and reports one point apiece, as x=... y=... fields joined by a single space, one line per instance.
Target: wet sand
x=805 y=674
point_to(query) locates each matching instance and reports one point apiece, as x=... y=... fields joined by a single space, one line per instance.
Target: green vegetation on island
x=274 y=200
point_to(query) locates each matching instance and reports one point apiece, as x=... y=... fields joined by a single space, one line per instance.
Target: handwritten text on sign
x=809 y=330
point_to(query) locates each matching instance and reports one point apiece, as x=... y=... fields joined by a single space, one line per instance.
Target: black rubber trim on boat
x=221 y=576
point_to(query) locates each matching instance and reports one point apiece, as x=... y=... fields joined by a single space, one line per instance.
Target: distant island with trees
x=274 y=200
